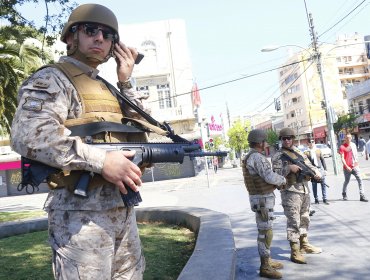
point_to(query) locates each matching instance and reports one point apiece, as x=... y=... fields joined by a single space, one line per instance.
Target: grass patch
x=167 y=248
x=20 y=215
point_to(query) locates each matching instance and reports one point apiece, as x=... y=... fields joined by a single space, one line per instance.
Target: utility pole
x=329 y=117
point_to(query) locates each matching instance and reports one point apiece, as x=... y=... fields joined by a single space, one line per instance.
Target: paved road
x=341 y=228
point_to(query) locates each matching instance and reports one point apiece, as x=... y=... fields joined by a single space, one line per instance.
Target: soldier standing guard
x=94 y=237
x=261 y=182
x=295 y=197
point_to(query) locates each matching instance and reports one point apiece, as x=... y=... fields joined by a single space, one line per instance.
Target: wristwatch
x=125 y=85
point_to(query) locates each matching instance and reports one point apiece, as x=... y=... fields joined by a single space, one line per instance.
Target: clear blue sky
x=225 y=38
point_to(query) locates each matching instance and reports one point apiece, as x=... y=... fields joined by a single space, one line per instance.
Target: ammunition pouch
x=69 y=181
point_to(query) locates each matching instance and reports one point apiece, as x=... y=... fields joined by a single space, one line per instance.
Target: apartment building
x=359 y=103
x=344 y=64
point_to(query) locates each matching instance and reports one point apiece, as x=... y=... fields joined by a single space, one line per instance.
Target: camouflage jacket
x=258 y=164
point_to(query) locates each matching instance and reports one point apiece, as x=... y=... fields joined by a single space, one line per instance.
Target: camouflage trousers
x=296 y=209
x=95 y=244
x=263 y=206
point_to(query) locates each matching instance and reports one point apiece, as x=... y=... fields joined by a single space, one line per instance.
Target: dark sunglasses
x=93 y=30
x=286 y=138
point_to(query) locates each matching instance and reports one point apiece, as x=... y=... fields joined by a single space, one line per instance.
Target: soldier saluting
x=295 y=197
x=261 y=182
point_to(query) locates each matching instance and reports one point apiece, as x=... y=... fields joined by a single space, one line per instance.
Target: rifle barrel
x=203 y=154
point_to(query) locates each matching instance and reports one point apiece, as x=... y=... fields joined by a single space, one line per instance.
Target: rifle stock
x=146 y=154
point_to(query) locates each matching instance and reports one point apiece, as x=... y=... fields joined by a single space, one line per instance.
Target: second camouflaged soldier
x=295 y=197
x=261 y=182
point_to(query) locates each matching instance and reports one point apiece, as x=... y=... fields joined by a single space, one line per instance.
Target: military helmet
x=257 y=136
x=94 y=13
x=286 y=132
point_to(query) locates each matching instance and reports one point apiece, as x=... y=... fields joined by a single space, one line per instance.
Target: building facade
x=359 y=103
x=165 y=74
x=344 y=64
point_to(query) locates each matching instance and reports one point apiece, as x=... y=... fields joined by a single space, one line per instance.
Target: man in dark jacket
x=315 y=156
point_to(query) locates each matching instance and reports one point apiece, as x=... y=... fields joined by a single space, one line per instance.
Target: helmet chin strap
x=87 y=59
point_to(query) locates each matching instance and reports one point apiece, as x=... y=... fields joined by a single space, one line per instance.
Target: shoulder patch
x=33 y=104
x=41 y=83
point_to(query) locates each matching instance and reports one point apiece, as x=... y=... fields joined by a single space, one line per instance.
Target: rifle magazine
x=131 y=198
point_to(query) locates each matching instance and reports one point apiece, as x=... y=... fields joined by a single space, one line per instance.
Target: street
x=341 y=228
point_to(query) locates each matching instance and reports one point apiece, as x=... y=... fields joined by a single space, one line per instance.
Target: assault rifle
x=305 y=171
x=34 y=172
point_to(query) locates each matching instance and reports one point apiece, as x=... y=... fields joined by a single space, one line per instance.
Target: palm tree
x=17 y=61
x=9 y=81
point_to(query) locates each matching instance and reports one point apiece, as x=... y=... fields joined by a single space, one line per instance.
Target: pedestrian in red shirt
x=348 y=152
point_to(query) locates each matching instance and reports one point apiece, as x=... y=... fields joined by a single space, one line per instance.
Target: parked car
x=325 y=150
x=303 y=148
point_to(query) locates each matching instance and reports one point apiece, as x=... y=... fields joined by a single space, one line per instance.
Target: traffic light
x=277 y=104
x=210 y=142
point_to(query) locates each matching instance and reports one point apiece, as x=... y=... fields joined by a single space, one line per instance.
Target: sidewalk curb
x=214 y=255
x=8 y=229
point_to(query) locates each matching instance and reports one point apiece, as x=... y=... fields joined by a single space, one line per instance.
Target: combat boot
x=296 y=255
x=267 y=271
x=306 y=247
x=275 y=264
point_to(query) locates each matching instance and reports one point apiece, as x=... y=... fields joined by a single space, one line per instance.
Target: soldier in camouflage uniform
x=261 y=182
x=94 y=237
x=295 y=197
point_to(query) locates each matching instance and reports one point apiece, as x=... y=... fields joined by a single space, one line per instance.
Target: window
x=143 y=89
x=164 y=96
x=348 y=71
x=291 y=78
x=361 y=107
x=347 y=59
x=368 y=105
x=293 y=89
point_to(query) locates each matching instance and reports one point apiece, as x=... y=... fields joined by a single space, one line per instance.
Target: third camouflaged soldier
x=261 y=182
x=295 y=197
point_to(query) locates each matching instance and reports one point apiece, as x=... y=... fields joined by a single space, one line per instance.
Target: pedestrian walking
x=316 y=158
x=215 y=164
x=349 y=157
x=368 y=148
x=362 y=146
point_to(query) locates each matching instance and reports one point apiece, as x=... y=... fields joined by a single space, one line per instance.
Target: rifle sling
x=90 y=129
x=299 y=157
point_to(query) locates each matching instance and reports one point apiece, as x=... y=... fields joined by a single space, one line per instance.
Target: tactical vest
x=254 y=183
x=98 y=104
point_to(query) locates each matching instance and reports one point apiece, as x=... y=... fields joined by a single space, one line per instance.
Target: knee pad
x=265 y=237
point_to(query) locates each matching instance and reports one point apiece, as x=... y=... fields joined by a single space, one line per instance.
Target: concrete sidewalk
x=340 y=228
